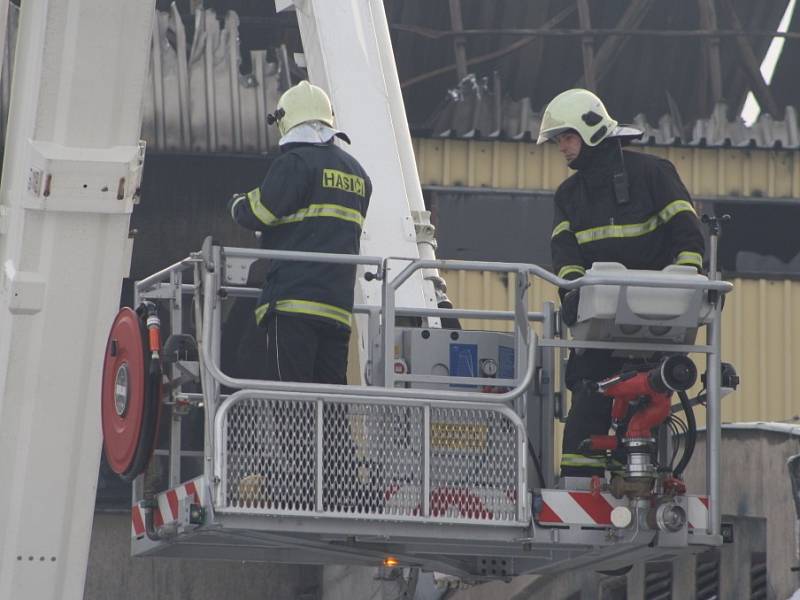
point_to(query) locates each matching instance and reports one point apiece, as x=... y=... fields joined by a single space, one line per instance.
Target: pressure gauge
x=488 y=367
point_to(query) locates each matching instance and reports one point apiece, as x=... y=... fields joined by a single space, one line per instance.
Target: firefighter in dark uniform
x=314 y=198
x=620 y=206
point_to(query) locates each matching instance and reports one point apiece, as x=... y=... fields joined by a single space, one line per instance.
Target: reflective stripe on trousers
x=307 y=307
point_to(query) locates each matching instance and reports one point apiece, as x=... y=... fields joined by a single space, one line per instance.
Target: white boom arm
x=70 y=174
x=348 y=52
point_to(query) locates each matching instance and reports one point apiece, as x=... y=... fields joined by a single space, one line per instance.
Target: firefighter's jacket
x=314 y=198
x=656 y=227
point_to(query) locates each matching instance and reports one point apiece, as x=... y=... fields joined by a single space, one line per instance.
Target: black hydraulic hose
x=149 y=527
x=691 y=434
x=537 y=465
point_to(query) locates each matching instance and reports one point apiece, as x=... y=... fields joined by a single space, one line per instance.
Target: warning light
x=390 y=561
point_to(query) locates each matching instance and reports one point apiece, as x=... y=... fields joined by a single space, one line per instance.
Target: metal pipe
x=630 y=279
x=548 y=400
x=426 y=461
x=713 y=407
x=713 y=423
x=387 y=332
x=713 y=256
x=625 y=346
x=320 y=458
x=634 y=281
x=522 y=334
x=522 y=475
x=137 y=488
x=453 y=380
x=176 y=327
x=216 y=325
x=388 y=349
x=592 y=31
x=163 y=273
x=216 y=373
x=335 y=389
x=240 y=292
x=207 y=365
x=458 y=313
x=462 y=265
x=291 y=255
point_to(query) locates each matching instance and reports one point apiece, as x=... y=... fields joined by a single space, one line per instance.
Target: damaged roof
x=664 y=64
x=494 y=78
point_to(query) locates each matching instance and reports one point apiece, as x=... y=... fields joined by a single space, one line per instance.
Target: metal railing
x=321 y=449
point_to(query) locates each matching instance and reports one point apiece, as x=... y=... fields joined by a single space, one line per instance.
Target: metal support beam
x=546 y=31
x=611 y=47
x=70 y=174
x=533 y=36
x=708 y=19
x=459 y=43
x=358 y=70
x=534 y=56
x=751 y=65
x=587 y=45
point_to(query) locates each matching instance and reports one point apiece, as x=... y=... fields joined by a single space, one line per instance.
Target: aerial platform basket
x=447 y=468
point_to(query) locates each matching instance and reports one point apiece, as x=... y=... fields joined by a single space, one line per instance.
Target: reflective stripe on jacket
x=658 y=226
x=314 y=198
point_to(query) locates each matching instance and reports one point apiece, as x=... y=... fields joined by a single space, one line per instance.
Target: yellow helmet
x=580 y=110
x=301 y=103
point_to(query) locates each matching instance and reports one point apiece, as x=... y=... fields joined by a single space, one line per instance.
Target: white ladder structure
x=70 y=176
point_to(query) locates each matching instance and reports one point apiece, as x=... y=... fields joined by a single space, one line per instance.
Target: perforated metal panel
x=473 y=465
x=271 y=458
x=372 y=461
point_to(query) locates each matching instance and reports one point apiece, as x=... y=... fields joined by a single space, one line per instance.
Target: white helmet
x=584 y=112
x=302 y=103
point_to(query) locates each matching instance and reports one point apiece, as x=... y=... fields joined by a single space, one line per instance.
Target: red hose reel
x=131 y=391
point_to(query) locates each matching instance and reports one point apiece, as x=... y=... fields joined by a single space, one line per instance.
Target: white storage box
x=669 y=315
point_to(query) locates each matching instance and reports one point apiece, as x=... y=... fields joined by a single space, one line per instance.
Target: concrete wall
x=755 y=483
x=113 y=573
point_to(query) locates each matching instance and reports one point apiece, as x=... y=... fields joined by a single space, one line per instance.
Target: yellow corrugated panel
x=760 y=337
x=514 y=165
x=761 y=326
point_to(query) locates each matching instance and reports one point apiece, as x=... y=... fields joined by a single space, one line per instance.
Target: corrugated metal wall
x=196 y=99
x=761 y=333
x=516 y=165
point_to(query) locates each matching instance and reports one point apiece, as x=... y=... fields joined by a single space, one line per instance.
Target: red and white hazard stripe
x=564 y=507
x=697 y=512
x=577 y=508
x=168 y=506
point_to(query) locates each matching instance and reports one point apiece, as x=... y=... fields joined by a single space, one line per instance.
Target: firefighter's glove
x=235 y=199
x=569 y=307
